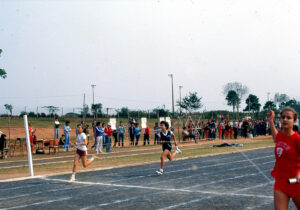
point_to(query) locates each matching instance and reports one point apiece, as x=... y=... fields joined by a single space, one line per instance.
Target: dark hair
x=79 y=125
x=98 y=123
x=67 y=122
x=295 y=128
x=165 y=123
x=290 y=109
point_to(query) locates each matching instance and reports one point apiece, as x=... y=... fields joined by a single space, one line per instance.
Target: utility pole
x=268 y=96
x=37 y=112
x=180 y=87
x=171 y=76
x=107 y=111
x=83 y=109
x=93 y=87
x=62 y=111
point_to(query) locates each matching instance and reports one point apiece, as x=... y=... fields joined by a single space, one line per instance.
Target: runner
x=287 y=154
x=81 y=152
x=165 y=139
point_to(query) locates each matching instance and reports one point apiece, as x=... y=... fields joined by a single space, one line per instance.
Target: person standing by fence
x=121 y=130
x=137 y=134
x=131 y=134
x=108 y=132
x=99 y=137
x=147 y=135
x=56 y=128
x=67 y=131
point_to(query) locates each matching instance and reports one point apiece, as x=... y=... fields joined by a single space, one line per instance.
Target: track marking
x=260 y=205
x=218 y=194
x=39 y=203
x=38 y=192
x=203 y=192
x=189 y=169
x=245 y=156
x=21 y=179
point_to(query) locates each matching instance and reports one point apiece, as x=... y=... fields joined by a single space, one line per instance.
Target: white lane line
x=21 y=179
x=255 y=186
x=39 y=203
x=260 y=205
x=186 y=203
x=27 y=186
x=39 y=192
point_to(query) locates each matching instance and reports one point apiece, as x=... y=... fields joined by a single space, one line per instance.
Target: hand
x=271 y=115
x=298 y=178
x=75 y=143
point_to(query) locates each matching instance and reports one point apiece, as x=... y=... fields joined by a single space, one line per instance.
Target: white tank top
x=81 y=139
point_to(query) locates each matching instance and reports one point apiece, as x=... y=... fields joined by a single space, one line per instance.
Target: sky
x=54 y=50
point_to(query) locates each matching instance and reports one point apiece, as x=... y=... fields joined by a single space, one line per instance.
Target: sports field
x=232 y=181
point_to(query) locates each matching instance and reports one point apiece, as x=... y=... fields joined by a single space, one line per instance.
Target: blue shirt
x=137 y=131
x=121 y=129
x=99 y=131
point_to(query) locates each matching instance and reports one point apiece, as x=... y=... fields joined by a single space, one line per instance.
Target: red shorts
x=292 y=190
x=80 y=152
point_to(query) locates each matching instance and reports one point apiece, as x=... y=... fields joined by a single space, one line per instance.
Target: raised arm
x=274 y=131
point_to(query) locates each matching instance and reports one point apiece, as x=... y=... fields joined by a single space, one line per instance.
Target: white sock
x=162 y=170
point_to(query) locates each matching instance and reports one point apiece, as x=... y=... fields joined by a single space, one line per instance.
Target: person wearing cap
x=108 y=132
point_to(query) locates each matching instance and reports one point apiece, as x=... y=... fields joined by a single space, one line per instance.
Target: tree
x=240 y=89
x=269 y=105
x=97 y=109
x=51 y=109
x=280 y=99
x=123 y=112
x=233 y=99
x=9 y=108
x=191 y=102
x=252 y=103
x=161 y=111
x=291 y=103
x=2 y=71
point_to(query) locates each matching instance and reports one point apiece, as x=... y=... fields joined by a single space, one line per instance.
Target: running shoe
x=178 y=151
x=160 y=172
x=91 y=159
x=72 y=179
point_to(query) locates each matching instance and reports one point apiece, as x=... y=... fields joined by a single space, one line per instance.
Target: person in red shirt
x=108 y=131
x=32 y=136
x=147 y=135
x=287 y=154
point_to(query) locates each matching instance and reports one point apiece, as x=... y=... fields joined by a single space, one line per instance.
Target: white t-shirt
x=81 y=139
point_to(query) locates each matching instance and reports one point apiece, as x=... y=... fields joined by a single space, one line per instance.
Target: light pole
x=171 y=75
x=93 y=87
x=180 y=87
x=268 y=95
